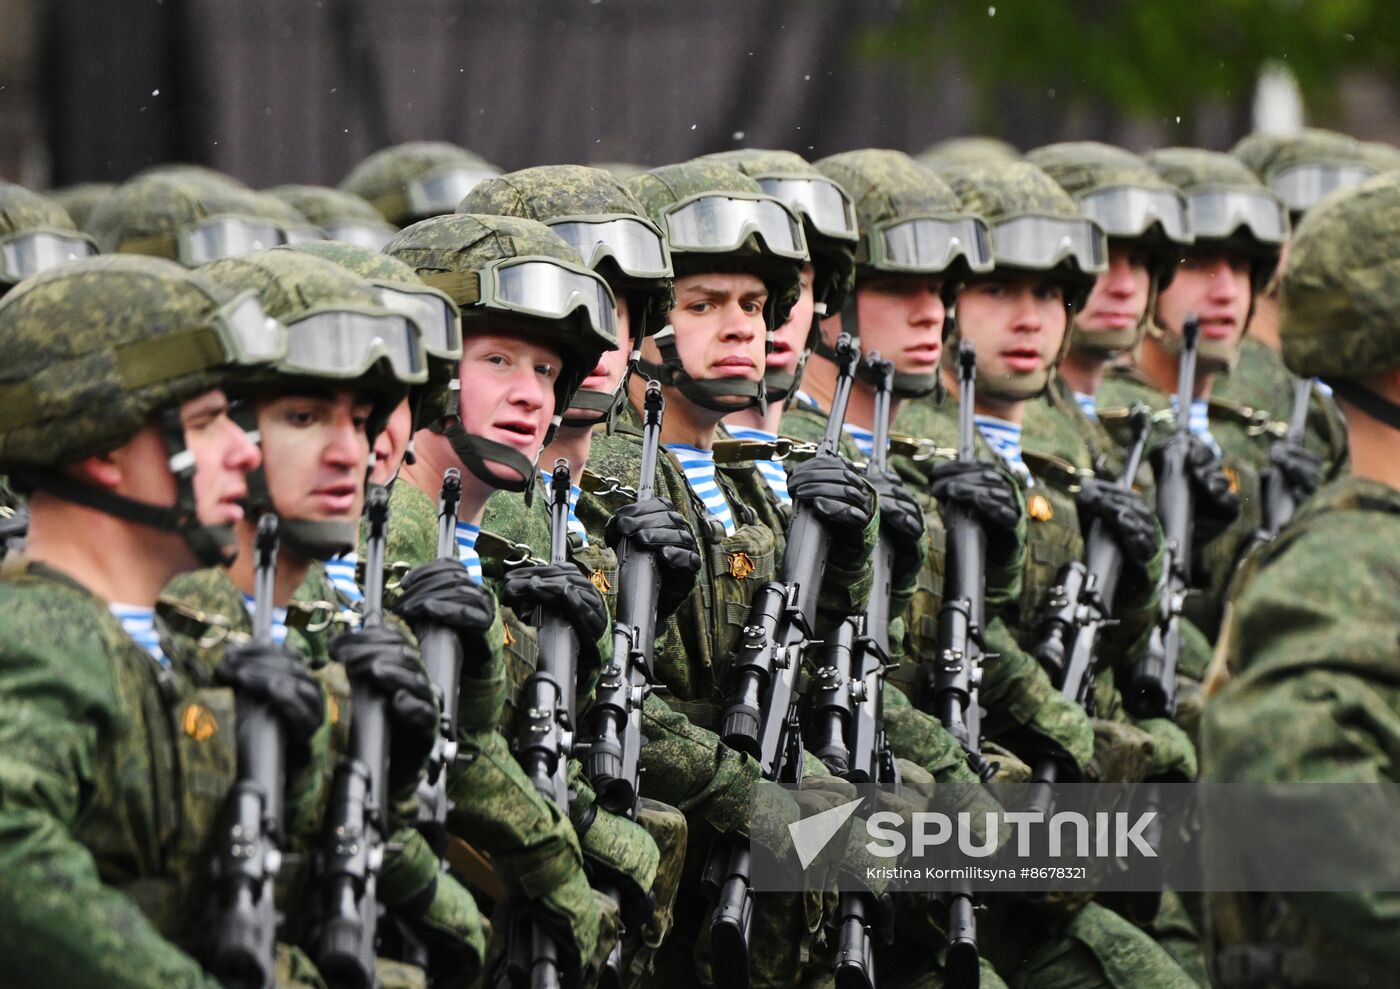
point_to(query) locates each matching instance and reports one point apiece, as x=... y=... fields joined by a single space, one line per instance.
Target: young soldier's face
x=223 y=454
x=1119 y=298
x=902 y=317
x=719 y=327
x=391 y=444
x=315 y=450
x=1016 y=324
x=1215 y=287
x=508 y=392
x=791 y=337
x=612 y=365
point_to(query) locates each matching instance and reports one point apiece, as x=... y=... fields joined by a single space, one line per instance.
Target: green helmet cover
x=385 y=179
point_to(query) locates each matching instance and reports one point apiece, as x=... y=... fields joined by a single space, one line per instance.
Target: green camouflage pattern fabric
x=22 y=210
x=145 y=215
x=79 y=201
x=1338 y=292
x=320 y=204
x=967 y=151
x=1056 y=425
x=548 y=192
x=1084 y=167
x=88 y=389
x=383 y=178
x=189 y=171
x=371 y=265
x=112 y=787
x=1267 y=154
x=1194 y=169
x=1315 y=699
x=1003 y=190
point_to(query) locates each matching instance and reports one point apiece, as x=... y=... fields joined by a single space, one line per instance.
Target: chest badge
x=740 y=565
x=333 y=706
x=1039 y=508
x=600 y=580
x=199 y=723
x=1233 y=477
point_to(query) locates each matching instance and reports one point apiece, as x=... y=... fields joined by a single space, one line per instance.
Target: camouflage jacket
x=1316 y=698
x=112 y=788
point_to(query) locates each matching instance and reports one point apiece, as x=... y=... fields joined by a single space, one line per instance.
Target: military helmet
x=340 y=215
x=1133 y=204
x=197 y=174
x=1340 y=302
x=1036 y=228
x=189 y=221
x=93 y=349
x=338 y=335
x=604 y=223
x=515 y=275
x=967 y=151
x=1302 y=168
x=78 y=201
x=717 y=219
x=417 y=179
x=35 y=234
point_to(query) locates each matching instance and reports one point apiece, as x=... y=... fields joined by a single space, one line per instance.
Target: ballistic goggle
x=928 y=244
x=1301 y=186
x=32 y=251
x=371 y=235
x=545 y=288
x=1217 y=214
x=820 y=200
x=718 y=223
x=441 y=191
x=1041 y=243
x=432 y=310
x=634 y=243
x=1131 y=211
x=304 y=234
x=345 y=343
x=226 y=237
x=241 y=330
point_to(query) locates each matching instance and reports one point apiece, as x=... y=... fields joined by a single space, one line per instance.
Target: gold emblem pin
x=199 y=723
x=334 y=708
x=600 y=580
x=1233 y=477
x=1039 y=508
x=740 y=565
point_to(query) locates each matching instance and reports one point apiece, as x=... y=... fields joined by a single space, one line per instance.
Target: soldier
x=1312 y=635
x=118 y=755
x=418 y=179
x=339 y=215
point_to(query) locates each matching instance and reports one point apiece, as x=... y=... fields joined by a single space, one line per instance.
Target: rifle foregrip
x=962 y=966
x=855 y=959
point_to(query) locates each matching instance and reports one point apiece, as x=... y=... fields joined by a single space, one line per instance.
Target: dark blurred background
x=276 y=91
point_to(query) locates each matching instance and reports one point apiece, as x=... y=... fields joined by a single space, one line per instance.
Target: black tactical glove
x=1217 y=506
x=981 y=488
x=901 y=520
x=277 y=676
x=563 y=589
x=382 y=659
x=837 y=494
x=656 y=527
x=1298 y=467
x=1126 y=517
x=442 y=593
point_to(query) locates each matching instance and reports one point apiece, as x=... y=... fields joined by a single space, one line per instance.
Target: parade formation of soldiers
x=425 y=582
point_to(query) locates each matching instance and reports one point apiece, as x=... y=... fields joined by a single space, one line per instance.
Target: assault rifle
x=357 y=826
x=957 y=667
x=848 y=707
x=615 y=720
x=762 y=719
x=244 y=951
x=1279 y=505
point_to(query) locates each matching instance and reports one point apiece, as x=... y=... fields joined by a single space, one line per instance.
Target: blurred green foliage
x=1146 y=57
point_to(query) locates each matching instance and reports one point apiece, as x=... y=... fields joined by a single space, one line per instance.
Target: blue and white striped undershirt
x=279 y=619
x=771 y=470
x=864 y=439
x=466 y=549
x=1005 y=440
x=140 y=624
x=1089 y=404
x=801 y=400
x=341 y=572
x=1199 y=422
x=698 y=466
x=575 y=526
x=1323 y=388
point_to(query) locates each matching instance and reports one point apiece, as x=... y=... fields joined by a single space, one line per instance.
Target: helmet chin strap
x=705 y=393
x=1381 y=409
x=477 y=452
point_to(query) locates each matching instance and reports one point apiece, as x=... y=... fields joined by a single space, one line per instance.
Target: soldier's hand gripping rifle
x=615 y=721
x=762 y=717
x=1278 y=494
x=1151 y=687
x=957 y=671
x=848 y=711
x=441 y=648
x=357 y=826
x=245 y=927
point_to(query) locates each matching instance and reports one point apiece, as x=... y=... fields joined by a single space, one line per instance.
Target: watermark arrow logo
x=811 y=835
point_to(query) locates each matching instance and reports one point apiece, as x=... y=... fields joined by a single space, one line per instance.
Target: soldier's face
x=392 y=443
x=315 y=449
x=902 y=317
x=508 y=392
x=222 y=453
x=719 y=327
x=1119 y=298
x=1016 y=324
x=791 y=337
x=1215 y=287
x=607 y=373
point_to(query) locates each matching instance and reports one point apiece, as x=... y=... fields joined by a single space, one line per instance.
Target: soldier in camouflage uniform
x=118 y=756
x=339 y=215
x=317 y=421
x=418 y=179
x=1312 y=635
